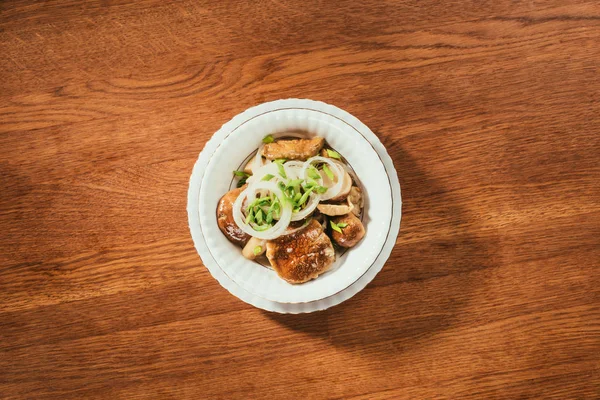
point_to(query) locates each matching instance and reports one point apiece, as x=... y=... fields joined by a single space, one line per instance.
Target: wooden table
x=489 y=109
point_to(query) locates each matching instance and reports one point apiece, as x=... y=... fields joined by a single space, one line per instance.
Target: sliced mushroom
x=225 y=218
x=253 y=244
x=296 y=149
x=352 y=230
x=335 y=209
x=303 y=255
x=346 y=186
x=355 y=198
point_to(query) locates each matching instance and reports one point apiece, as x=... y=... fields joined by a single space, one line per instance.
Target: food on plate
x=333 y=209
x=293 y=198
x=298 y=149
x=302 y=255
x=346 y=230
x=225 y=218
x=356 y=199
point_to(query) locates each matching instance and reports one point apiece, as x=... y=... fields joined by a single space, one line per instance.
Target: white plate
x=199 y=236
x=237 y=145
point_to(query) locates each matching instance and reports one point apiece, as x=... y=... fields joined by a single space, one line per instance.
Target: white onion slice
x=284 y=219
x=337 y=171
x=293 y=169
x=258 y=162
x=349 y=171
x=268 y=169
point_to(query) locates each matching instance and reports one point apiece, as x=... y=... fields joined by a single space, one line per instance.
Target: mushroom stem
x=254 y=248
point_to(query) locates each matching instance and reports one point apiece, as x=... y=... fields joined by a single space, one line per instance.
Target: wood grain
x=489 y=109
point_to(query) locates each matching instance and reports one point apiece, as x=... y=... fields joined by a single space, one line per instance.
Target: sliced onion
x=293 y=169
x=261 y=172
x=258 y=161
x=348 y=170
x=284 y=219
x=335 y=169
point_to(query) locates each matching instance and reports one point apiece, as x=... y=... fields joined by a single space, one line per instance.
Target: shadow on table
x=413 y=297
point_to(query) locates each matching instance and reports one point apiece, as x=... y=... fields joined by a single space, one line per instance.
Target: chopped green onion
x=281 y=186
x=250 y=216
x=304 y=197
x=281 y=170
x=241 y=173
x=252 y=205
x=259 y=202
x=280 y=160
x=310 y=184
x=269 y=217
x=333 y=154
x=276 y=208
x=259 y=216
x=321 y=189
x=257 y=250
x=297 y=197
x=260 y=227
x=313 y=173
x=268 y=139
x=294 y=182
x=327 y=171
x=342 y=224
x=273 y=203
x=335 y=227
x=241 y=182
x=267 y=177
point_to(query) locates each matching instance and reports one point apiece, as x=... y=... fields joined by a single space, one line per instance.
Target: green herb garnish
x=342 y=224
x=259 y=216
x=250 y=216
x=304 y=197
x=313 y=173
x=257 y=250
x=241 y=173
x=327 y=171
x=256 y=202
x=335 y=227
x=260 y=228
x=267 y=177
x=281 y=170
x=333 y=154
x=268 y=139
x=275 y=208
x=321 y=189
x=294 y=183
